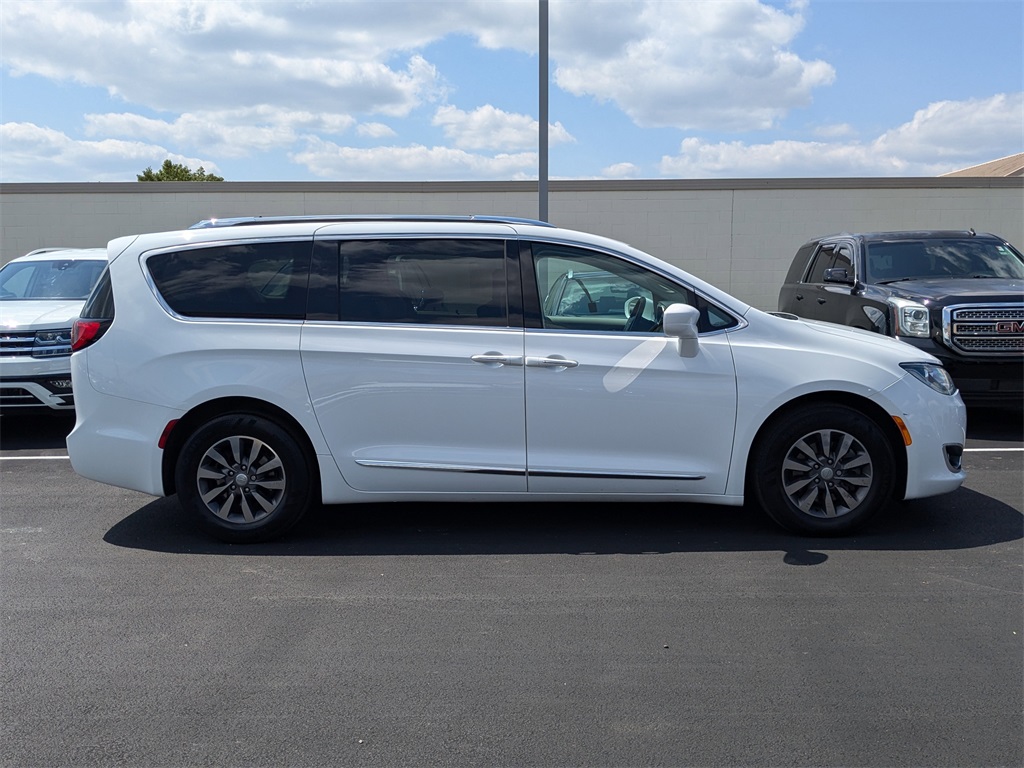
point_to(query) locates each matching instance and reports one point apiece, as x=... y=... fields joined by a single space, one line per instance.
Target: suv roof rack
x=51 y=249
x=240 y=221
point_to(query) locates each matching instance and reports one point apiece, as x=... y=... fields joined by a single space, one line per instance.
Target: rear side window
x=265 y=280
x=426 y=281
x=799 y=265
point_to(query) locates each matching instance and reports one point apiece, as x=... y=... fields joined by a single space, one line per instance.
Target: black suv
x=958 y=295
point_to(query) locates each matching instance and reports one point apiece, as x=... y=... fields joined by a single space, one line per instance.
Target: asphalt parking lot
x=511 y=635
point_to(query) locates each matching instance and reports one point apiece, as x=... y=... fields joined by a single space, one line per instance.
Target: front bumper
x=33 y=383
x=988 y=381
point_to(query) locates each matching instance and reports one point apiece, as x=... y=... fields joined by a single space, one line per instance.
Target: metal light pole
x=542 y=183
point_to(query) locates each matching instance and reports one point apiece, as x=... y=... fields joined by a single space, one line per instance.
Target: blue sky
x=422 y=91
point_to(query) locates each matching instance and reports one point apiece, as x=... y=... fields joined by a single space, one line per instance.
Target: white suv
x=261 y=366
x=41 y=295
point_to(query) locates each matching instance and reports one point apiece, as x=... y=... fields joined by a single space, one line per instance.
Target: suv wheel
x=823 y=471
x=245 y=478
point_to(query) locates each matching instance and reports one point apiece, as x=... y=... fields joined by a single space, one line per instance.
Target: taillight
x=85 y=332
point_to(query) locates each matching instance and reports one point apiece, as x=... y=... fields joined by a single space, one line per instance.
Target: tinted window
x=951 y=257
x=252 y=280
x=58 y=279
x=100 y=305
x=586 y=290
x=823 y=260
x=436 y=281
x=796 y=269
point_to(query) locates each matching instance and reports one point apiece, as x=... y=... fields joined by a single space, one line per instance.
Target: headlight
x=911 y=318
x=935 y=376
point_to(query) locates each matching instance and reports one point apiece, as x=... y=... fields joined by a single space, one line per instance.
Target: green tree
x=176 y=172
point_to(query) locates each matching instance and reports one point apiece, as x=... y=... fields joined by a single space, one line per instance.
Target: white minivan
x=257 y=367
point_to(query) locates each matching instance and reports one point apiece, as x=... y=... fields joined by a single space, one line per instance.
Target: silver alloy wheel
x=827 y=473
x=241 y=479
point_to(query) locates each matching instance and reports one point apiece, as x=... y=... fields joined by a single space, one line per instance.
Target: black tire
x=824 y=470
x=244 y=477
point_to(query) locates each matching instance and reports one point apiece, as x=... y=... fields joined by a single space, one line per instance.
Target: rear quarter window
x=265 y=280
x=799 y=266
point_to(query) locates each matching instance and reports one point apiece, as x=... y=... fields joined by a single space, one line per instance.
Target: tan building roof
x=1004 y=166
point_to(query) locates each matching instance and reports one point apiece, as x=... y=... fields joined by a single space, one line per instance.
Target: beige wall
x=739 y=234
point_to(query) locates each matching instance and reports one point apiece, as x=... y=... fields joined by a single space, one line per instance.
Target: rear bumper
x=121 y=451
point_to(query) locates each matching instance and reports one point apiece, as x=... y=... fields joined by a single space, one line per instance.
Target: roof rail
x=240 y=221
x=50 y=250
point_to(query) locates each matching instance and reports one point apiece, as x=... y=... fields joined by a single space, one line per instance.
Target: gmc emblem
x=1010 y=326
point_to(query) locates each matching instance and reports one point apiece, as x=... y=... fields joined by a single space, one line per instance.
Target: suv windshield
x=58 y=279
x=906 y=259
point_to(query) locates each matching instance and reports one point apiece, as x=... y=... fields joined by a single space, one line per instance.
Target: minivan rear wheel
x=824 y=470
x=245 y=478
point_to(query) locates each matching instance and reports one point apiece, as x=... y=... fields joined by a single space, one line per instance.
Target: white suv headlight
x=935 y=376
x=911 y=318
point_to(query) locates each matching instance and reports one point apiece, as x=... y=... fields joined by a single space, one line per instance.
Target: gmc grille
x=984 y=329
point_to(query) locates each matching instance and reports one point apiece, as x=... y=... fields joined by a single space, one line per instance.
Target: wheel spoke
x=254 y=453
x=246 y=509
x=267 y=504
x=825 y=438
x=225 y=510
x=830 y=507
x=215 y=456
x=274 y=463
x=857 y=461
x=792 y=488
x=802 y=446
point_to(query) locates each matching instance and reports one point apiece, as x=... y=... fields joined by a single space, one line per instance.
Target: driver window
x=590 y=291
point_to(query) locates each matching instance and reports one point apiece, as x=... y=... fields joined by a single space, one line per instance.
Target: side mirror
x=838 y=275
x=680 y=322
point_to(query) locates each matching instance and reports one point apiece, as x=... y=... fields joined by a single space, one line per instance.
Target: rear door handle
x=550 y=362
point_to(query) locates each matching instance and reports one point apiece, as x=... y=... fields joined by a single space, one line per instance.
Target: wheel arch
x=201 y=414
x=861 y=404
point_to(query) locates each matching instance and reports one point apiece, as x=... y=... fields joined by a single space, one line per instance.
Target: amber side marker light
x=903 y=430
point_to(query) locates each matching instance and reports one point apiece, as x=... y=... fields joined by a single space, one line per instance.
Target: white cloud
x=332 y=161
x=621 y=171
x=66 y=158
x=202 y=56
x=931 y=144
x=375 y=130
x=488 y=127
x=223 y=133
x=717 y=65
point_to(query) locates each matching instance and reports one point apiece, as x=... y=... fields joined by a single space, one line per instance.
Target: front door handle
x=496 y=359
x=822 y=301
x=556 y=361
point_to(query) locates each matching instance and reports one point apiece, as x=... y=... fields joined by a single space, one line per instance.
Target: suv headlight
x=935 y=376
x=911 y=318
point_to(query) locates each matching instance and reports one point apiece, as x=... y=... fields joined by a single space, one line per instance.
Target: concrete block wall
x=738 y=234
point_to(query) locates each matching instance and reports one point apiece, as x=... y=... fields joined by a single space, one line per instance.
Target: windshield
x=955 y=257
x=58 y=279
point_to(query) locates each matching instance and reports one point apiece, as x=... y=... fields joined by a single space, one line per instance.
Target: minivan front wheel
x=244 y=477
x=824 y=470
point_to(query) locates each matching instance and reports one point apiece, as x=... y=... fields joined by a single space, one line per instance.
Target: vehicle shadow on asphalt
x=965 y=519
